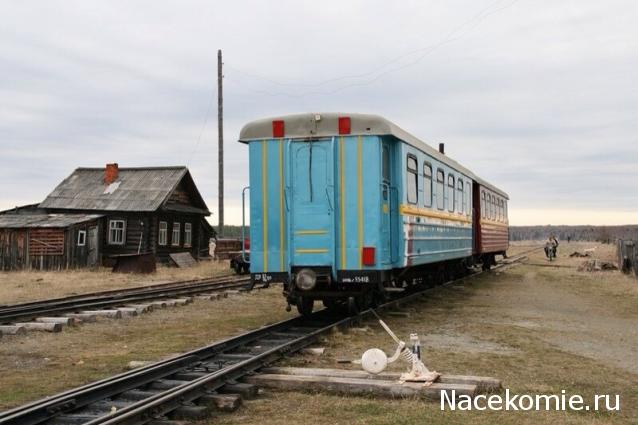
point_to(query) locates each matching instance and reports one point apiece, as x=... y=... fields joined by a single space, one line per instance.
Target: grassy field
x=41 y=364
x=22 y=286
x=539 y=329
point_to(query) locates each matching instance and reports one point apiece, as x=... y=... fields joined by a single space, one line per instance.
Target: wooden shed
x=49 y=241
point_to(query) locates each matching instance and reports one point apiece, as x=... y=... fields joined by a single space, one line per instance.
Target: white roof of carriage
x=307 y=125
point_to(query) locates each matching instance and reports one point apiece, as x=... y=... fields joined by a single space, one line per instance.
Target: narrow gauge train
x=345 y=208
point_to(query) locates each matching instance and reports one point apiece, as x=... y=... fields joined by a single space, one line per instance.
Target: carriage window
x=412 y=185
x=483 y=206
x=460 y=199
x=488 y=212
x=490 y=199
x=505 y=209
x=468 y=204
x=450 y=193
x=385 y=164
x=427 y=184
x=440 y=183
x=493 y=207
x=500 y=209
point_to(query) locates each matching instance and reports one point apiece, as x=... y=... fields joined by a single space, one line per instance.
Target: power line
x=449 y=38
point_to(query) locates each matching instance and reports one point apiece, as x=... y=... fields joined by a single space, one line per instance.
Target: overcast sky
x=538 y=97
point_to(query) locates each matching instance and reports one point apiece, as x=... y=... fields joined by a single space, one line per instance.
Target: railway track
x=183 y=386
x=119 y=297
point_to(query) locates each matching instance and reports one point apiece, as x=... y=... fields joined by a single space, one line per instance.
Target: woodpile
x=596 y=265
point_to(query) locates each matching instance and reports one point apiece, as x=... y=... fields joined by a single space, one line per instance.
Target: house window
x=427 y=184
x=188 y=234
x=450 y=193
x=81 y=237
x=460 y=199
x=163 y=233
x=440 y=183
x=117 y=228
x=412 y=184
x=175 y=236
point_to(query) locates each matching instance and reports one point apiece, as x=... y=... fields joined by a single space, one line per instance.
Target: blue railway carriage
x=348 y=207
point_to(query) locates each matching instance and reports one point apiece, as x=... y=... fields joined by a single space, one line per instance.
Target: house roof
x=307 y=125
x=143 y=189
x=20 y=221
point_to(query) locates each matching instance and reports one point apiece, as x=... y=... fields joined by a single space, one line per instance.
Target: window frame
x=468 y=198
x=460 y=196
x=483 y=204
x=427 y=197
x=440 y=186
x=81 y=239
x=188 y=234
x=412 y=173
x=162 y=241
x=111 y=241
x=450 y=202
x=177 y=226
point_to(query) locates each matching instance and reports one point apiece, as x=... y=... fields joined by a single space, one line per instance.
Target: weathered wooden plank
x=340 y=385
x=483 y=383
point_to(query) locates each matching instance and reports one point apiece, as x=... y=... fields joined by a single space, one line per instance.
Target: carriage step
x=393 y=289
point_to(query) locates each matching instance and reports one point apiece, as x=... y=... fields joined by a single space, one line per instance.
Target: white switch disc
x=374 y=361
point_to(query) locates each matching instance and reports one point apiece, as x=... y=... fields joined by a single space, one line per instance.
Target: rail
x=150 y=393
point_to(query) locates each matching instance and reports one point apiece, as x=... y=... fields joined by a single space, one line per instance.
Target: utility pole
x=220 y=132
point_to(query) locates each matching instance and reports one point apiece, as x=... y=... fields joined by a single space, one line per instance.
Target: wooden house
x=48 y=241
x=133 y=210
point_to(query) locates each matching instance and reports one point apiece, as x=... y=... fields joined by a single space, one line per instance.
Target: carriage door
x=92 y=242
x=386 y=205
x=312 y=215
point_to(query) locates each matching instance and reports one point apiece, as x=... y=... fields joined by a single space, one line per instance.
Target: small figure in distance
x=550 y=247
x=569 y=239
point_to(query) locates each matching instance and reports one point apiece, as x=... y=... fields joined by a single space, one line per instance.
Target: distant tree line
x=606 y=234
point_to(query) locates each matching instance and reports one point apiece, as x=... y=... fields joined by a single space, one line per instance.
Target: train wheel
x=305 y=306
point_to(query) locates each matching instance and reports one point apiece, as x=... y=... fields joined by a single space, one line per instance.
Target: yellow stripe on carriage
x=281 y=205
x=343 y=202
x=360 y=199
x=311 y=251
x=264 y=196
x=421 y=212
x=311 y=232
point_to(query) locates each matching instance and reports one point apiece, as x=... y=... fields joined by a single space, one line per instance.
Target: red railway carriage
x=491 y=225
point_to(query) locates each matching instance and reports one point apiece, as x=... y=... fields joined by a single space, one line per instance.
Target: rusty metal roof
x=135 y=189
x=20 y=221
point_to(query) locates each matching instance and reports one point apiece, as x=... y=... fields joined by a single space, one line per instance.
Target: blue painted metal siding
x=429 y=234
x=293 y=200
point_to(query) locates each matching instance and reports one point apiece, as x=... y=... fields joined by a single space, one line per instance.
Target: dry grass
x=539 y=329
x=38 y=365
x=22 y=286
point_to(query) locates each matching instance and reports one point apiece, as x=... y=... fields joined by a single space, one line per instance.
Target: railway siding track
x=51 y=315
x=181 y=387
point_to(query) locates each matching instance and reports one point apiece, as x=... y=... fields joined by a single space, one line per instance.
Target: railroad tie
x=12 y=330
x=82 y=318
x=111 y=314
x=39 y=326
x=127 y=311
x=64 y=321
